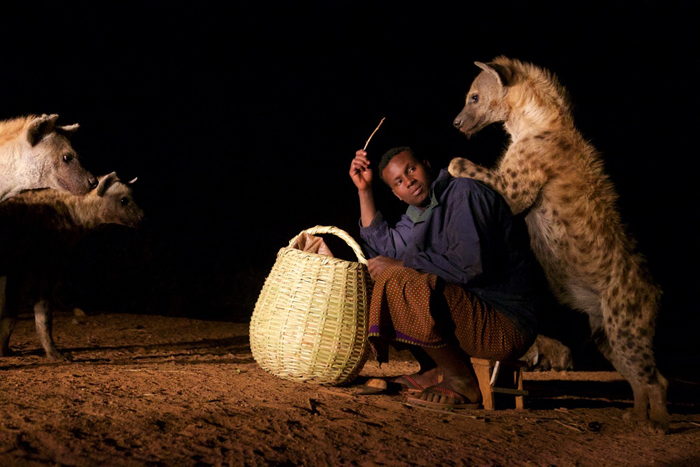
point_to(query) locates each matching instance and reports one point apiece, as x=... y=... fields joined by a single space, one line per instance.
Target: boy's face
x=409 y=179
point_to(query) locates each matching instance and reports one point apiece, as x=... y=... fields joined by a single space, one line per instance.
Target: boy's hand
x=378 y=264
x=360 y=172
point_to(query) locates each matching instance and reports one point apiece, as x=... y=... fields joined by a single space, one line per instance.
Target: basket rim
x=300 y=255
x=343 y=235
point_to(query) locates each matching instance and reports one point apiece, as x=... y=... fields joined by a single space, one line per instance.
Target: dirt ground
x=145 y=390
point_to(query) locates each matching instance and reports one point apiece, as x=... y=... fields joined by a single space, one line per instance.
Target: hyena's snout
x=470 y=120
x=457 y=122
x=465 y=123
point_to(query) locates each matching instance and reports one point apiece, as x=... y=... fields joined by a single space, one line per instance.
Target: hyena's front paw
x=461 y=167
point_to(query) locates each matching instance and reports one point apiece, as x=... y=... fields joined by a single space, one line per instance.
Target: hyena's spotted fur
x=548 y=354
x=557 y=179
x=37 y=153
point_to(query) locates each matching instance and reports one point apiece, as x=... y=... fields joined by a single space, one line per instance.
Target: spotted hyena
x=556 y=178
x=35 y=152
x=548 y=354
x=38 y=229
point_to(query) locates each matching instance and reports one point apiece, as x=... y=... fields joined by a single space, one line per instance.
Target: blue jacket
x=467 y=235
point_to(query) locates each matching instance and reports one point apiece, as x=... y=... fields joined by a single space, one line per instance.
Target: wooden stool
x=487 y=373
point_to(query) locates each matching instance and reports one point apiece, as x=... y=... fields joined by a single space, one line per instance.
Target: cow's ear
x=40 y=127
x=503 y=74
x=104 y=183
x=67 y=130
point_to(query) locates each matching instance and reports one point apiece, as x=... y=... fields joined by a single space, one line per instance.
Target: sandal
x=408 y=384
x=448 y=400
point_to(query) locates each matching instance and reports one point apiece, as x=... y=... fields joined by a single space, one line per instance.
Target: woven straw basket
x=310 y=321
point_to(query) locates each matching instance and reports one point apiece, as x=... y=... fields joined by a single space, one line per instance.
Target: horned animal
x=37 y=153
x=38 y=228
x=556 y=178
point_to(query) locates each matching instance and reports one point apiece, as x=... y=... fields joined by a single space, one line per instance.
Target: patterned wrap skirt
x=417 y=308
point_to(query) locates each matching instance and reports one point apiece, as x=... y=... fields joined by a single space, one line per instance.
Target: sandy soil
x=147 y=390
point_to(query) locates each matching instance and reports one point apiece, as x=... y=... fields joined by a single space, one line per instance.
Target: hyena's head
x=113 y=202
x=486 y=102
x=58 y=165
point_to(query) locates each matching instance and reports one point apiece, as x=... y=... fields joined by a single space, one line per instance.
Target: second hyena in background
x=38 y=229
x=554 y=175
x=548 y=354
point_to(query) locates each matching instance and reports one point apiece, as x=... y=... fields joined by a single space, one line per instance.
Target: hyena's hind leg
x=629 y=347
x=8 y=319
x=43 y=316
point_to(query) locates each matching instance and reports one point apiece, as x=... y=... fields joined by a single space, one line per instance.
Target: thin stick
x=571 y=427
x=375 y=130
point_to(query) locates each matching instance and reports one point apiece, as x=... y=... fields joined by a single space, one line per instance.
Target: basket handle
x=321 y=229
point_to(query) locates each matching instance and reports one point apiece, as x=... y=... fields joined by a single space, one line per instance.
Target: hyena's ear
x=67 y=130
x=40 y=127
x=104 y=183
x=503 y=74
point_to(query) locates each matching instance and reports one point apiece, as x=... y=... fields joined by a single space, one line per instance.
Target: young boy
x=454 y=278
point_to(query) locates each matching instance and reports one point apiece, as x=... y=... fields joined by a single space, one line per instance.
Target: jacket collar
x=436 y=189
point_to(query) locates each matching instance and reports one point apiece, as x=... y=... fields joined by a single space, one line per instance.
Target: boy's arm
x=361 y=175
x=368 y=210
x=379 y=238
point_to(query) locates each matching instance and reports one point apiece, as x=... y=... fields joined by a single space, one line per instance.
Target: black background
x=240 y=120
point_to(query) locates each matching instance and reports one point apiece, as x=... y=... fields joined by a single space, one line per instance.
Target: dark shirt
x=467 y=235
